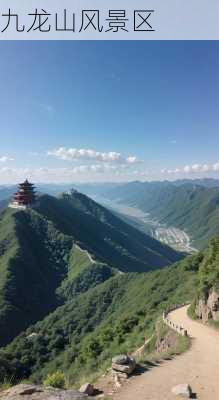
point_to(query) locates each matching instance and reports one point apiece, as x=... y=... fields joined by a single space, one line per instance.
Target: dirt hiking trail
x=199 y=367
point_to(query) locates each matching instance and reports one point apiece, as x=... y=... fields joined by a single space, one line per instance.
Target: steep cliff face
x=208 y=308
x=166 y=338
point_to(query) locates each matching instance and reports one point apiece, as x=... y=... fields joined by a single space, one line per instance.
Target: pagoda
x=25 y=196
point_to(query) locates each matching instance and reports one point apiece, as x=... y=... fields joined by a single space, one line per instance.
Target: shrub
x=56 y=380
x=5 y=386
x=191 y=310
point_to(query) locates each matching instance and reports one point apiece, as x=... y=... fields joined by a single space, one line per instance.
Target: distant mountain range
x=191 y=205
x=7 y=191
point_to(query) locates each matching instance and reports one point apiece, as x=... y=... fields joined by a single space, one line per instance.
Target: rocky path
x=86 y=252
x=199 y=367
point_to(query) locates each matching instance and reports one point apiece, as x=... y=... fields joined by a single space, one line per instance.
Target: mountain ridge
x=40 y=264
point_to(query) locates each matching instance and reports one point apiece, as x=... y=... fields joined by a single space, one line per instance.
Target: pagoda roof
x=26 y=183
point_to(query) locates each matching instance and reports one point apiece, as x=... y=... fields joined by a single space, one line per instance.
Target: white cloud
x=196 y=167
x=73 y=154
x=86 y=173
x=216 y=167
x=206 y=168
x=192 y=169
x=187 y=169
x=102 y=172
x=132 y=160
x=5 y=159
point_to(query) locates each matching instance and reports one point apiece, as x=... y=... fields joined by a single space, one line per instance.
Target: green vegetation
x=5 y=386
x=191 y=310
x=42 y=262
x=3 y=204
x=33 y=263
x=81 y=336
x=207 y=278
x=105 y=236
x=56 y=380
x=209 y=269
x=78 y=285
x=177 y=344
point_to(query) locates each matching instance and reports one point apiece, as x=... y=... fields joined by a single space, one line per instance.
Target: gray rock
x=124 y=364
x=127 y=369
x=122 y=359
x=87 y=388
x=35 y=392
x=208 y=308
x=119 y=374
x=183 y=390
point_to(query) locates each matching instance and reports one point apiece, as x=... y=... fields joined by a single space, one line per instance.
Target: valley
x=169 y=235
x=188 y=206
x=173 y=237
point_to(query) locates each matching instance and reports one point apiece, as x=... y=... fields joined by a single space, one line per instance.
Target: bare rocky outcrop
x=35 y=392
x=165 y=342
x=208 y=308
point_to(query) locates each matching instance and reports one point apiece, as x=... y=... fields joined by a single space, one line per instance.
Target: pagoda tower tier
x=25 y=196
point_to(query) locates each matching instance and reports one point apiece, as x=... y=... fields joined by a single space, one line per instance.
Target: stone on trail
x=87 y=388
x=183 y=390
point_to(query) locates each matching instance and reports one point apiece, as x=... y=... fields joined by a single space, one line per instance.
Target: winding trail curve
x=199 y=367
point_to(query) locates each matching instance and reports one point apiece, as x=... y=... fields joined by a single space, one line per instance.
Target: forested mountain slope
x=95 y=311
x=81 y=336
x=33 y=262
x=3 y=204
x=104 y=235
x=41 y=264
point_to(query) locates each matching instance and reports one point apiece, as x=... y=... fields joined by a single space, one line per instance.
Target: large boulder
x=35 y=392
x=183 y=390
x=124 y=364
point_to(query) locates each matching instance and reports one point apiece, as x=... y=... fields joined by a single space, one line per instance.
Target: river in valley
x=172 y=236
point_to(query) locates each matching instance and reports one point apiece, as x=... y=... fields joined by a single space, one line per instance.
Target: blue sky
x=108 y=111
